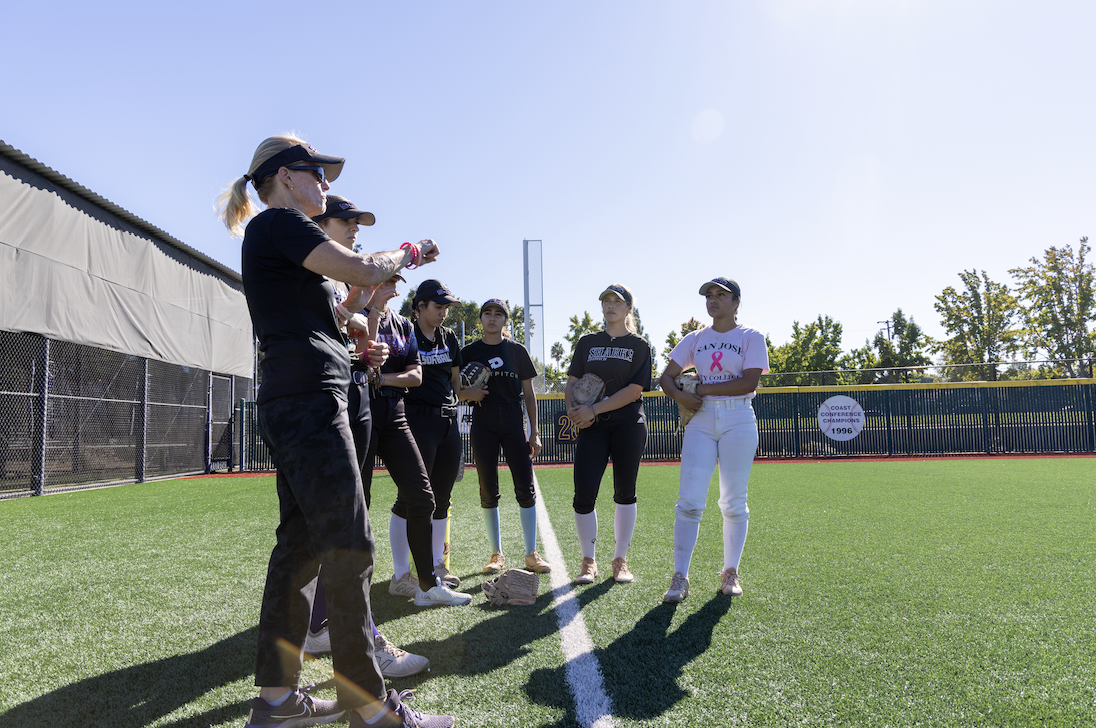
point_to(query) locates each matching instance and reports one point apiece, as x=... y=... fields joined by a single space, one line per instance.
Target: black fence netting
x=896 y=421
x=75 y=416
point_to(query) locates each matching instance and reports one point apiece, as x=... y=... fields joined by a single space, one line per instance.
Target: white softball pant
x=723 y=433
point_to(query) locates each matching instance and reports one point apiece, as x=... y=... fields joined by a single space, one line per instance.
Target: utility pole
x=887 y=322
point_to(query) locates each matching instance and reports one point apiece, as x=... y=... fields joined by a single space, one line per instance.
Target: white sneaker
x=316 y=643
x=395 y=662
x=441 y=596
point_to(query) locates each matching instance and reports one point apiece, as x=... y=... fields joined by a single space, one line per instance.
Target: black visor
x=332 y=166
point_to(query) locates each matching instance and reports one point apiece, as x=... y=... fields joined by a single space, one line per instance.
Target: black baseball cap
x=432 y=290
x=332 y=166
x=619 y=289
x=498 y=303
x=725 y=283
x=343 y=209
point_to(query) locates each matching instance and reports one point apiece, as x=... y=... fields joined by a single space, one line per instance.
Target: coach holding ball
x=302 y=413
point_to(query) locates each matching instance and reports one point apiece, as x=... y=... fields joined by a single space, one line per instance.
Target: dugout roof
x=76 y=267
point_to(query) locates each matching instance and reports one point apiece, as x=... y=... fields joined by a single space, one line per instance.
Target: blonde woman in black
x=613 y=427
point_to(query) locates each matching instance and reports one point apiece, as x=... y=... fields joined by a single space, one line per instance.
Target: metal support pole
x=142 y=430
x=41 y=433
x=209 y=424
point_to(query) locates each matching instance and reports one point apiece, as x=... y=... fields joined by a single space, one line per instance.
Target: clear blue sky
x=844 y=157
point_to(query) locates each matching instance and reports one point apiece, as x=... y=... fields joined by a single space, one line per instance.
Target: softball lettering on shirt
x=433 y=357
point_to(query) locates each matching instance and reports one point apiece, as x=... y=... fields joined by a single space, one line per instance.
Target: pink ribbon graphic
x=716 y=356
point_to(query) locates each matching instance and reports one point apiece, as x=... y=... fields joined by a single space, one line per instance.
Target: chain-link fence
x=1055 y=416
x=75 y=416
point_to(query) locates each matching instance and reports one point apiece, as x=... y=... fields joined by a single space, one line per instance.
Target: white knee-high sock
x=401 y=550
x=586 y=525
x=624 y=524
x=685 y=536
x=437 y=538
x=734 y=540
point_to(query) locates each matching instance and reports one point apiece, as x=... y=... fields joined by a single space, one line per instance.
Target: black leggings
x=505 y=426
x=622 y=435
x=439 y=444
x=393 y=441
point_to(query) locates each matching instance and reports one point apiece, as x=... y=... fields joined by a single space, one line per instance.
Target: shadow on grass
x=640 y=668
x=137 y=696
x=502 y=638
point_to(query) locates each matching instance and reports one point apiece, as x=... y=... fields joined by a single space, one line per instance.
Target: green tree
x=465 y=314
x=579 y=327
x=554 y=377
x=905 y=348
x=654 y=351
x=673 y=338
x=982 y=323
x=856 y=366
x=815 y=347
x=517 y=324
x=1058 y=297
x=557 y=353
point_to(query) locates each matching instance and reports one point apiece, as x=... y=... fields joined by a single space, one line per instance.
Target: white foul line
x=593 y=708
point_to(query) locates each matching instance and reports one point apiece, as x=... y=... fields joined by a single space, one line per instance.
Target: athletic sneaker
x=729 y=581
x=534 y=563
x=317 y=643
x=405 y=586
x=395 y=662
x=587 y=572
x=495 y=565
x=621 y=573
x=445 y=575
x=679 y=588
x=398 y=715
x=299 y=709
x=440 y=596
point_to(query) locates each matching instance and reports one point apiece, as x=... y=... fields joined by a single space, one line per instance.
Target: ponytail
x=235 y=205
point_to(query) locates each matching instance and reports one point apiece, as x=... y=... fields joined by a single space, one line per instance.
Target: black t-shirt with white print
x=510 y=365
x=619 y=361
x=438 y=358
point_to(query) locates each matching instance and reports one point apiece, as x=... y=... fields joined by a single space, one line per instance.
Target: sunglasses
x=318 y=171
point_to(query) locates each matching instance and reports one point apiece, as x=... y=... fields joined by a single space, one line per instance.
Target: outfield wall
x=955 y=418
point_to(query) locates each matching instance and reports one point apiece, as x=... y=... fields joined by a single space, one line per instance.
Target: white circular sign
x=841 y=418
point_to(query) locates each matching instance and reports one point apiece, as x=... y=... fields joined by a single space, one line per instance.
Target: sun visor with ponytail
x=332 y=166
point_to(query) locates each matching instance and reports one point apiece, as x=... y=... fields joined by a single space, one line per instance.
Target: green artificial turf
x=937 y=593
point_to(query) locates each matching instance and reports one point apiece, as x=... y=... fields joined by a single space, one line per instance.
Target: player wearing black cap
x=432 y=407
x=729 y=360
x=614 y=427
x=411 y=521
x=498 y=421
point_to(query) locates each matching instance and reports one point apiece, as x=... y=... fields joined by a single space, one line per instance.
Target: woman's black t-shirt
x=292 y=308
x=438 y=358
x=510 y=365
x=619 y=361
